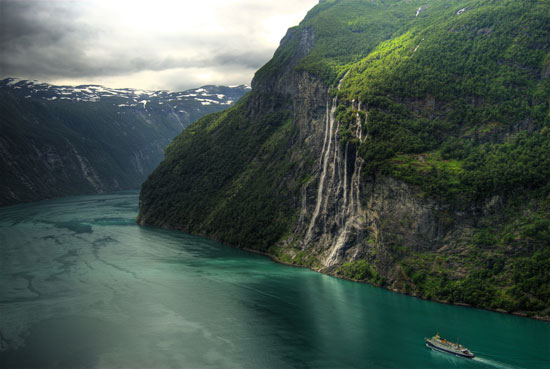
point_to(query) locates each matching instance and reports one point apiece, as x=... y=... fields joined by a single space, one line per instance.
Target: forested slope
x=401 y=143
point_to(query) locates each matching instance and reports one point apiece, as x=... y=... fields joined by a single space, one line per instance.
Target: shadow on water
x=74 y=226
x=114 y=221
x=184 y=301
x=68 y=342
x=325 y=322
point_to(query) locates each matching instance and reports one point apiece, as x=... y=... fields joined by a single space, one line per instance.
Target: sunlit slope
x=430 y=118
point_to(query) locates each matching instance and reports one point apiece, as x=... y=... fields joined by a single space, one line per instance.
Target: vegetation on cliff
x=451 y=98
x=460 y=108
x=212 y=183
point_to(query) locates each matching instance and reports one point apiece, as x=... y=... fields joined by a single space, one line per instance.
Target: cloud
x=144 y=44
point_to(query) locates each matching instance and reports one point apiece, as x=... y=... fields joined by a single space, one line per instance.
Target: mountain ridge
x=127 y=97
x=65 y=140
x=399 y=143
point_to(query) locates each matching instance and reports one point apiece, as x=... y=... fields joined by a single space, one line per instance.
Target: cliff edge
x=399 y=143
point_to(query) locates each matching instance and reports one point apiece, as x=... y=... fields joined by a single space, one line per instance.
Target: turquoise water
x=82 y=286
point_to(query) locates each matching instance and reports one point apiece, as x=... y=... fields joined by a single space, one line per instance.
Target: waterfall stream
x=329 y=123
x=337 y=216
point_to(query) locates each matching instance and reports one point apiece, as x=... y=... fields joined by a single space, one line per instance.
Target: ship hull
x=432 y=346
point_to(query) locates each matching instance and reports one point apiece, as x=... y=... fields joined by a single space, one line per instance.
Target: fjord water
x=82 y=286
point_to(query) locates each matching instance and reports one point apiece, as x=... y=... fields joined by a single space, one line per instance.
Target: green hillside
x=443 y=108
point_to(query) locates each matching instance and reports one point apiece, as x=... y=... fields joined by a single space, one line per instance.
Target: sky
x=147 y=44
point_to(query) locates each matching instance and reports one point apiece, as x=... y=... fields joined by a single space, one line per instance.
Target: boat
x=441 y=344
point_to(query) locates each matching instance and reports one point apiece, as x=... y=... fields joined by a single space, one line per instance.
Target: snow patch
x=209 y=101
x=83 y=90
x=140 y=92
x=12 y=81
x=93 y=93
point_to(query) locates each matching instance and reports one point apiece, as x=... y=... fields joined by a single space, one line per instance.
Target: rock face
x=344 y=217
x=339 y=215
x=332 y=216
x=368 y=154
x=287 y=105
x=62 y=140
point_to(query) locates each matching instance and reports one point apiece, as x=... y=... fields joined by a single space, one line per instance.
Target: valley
x=64 y=140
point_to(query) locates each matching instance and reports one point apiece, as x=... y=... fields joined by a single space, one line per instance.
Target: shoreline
x=278 y=261
x=500 y=311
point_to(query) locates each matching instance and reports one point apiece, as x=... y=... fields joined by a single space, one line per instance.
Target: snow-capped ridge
x=126 y=98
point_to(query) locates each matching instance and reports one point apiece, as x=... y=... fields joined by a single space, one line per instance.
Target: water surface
x=82 y=286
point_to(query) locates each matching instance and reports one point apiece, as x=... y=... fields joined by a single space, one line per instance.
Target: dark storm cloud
x=70 y=40
x=39 y=38
x=46 y=39
x=30 y=23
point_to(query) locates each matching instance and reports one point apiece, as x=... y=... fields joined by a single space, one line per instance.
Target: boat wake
x=482 y=360
x=493 y=363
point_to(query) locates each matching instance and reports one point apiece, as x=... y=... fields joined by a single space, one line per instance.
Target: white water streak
x=349 y=215
x=492 y=363
x=329 y=124
x=324 y=158
x=345 y=205
x=336 y=190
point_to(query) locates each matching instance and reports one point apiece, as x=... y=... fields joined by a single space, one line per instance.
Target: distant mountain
x=186 y=106
x=64 y=140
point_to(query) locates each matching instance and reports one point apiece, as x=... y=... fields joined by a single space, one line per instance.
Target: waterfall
x=329 y=123
x=337 y=218
x=349 y=215
x=345 y=205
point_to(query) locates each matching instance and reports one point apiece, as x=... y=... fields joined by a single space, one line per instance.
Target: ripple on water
x=83 y=286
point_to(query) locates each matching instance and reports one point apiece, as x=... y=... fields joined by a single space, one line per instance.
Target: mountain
x=401 y=143
x=63 y=140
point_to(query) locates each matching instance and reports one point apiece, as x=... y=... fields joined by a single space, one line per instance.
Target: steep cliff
x=401 y=143
x=63 y=140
